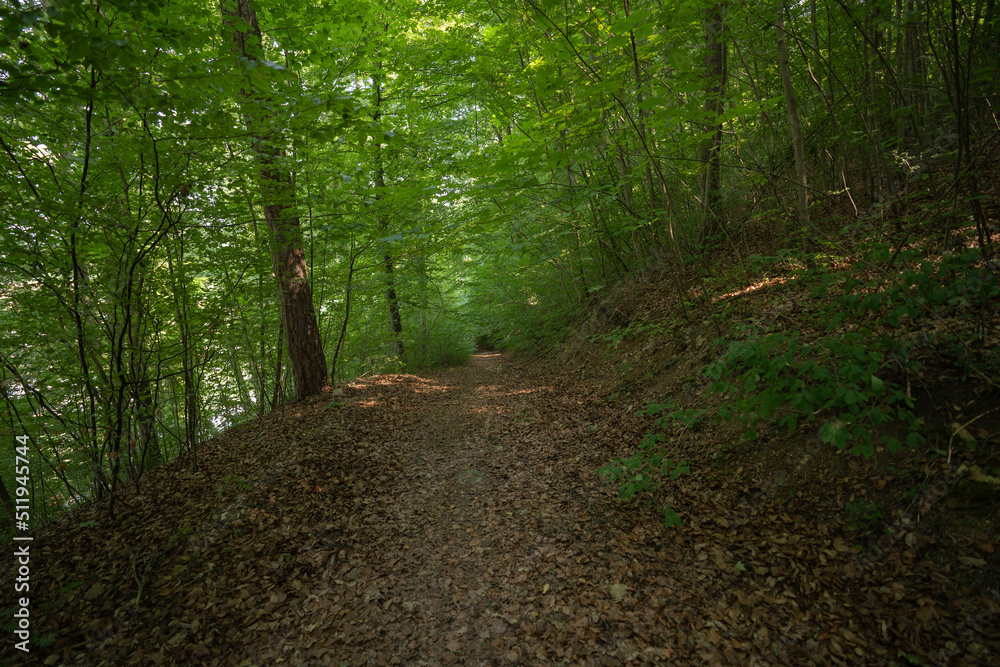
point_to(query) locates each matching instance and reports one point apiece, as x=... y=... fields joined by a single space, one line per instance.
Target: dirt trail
x=455 y=518
x=472 y=551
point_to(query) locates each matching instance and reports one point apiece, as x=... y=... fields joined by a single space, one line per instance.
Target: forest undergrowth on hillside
x=860 y=383
x=458 y=517
x=730 y=269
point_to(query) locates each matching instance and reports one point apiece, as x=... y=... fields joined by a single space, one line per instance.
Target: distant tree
x=395 y=320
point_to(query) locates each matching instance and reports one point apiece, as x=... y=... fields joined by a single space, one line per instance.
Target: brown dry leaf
x=972 y=561
x=356 y=543
x=840 y=545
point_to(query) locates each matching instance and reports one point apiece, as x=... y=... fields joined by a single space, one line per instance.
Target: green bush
x=642 y=472
x=835 y=378
x=843 y=377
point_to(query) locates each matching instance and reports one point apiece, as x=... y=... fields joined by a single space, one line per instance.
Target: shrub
x=642 y=472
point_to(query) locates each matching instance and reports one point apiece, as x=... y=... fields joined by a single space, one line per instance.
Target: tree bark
x=305 y=349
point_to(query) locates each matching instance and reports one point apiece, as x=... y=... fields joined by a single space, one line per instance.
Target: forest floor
x=455 y=518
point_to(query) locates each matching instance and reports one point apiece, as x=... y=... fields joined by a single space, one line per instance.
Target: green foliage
x=840 y=377
x=862 y=515
x=644 y=471
x=437 y=338
x=955 y=281
x=488 y=341
x=508 y=162
x=833 y=378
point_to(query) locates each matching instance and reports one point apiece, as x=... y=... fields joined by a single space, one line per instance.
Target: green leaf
x=653 y=409
x=680 y=60
x=670 y=518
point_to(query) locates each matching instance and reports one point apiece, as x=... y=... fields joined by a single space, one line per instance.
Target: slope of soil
x=455 y=518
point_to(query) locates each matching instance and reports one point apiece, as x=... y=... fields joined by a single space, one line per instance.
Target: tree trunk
x=640 y=112
x=390 y=295
x=150 y=454
x=5 y=500
x=715 y=64
x=793 y=120
x=279 y=372
x=347 y=309
x=182 y=311
x=395 y=320
x=143 y=400
x=305 y=349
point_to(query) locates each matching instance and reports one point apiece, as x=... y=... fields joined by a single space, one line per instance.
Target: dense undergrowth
x=846 y=336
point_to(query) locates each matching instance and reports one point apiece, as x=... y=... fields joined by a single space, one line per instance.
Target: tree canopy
x=434 y=175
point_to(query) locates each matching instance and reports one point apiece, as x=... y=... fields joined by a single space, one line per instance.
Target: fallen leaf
x=840 y=545
x=972 y=561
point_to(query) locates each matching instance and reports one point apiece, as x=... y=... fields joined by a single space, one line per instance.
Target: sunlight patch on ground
x=760 y=284
x=967 y=238
x=423 y=385
x=427 y=389
x=389 y=379
x=529 y=391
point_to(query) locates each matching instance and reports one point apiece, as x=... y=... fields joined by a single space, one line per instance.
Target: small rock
x=470 y=476
x=497 y=626
x=94 y=592
x=618 y=592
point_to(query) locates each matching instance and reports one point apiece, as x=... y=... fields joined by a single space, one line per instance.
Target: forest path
x=481 y=552
x=455 y=518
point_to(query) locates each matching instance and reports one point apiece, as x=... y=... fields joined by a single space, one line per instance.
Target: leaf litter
x=455 y=518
